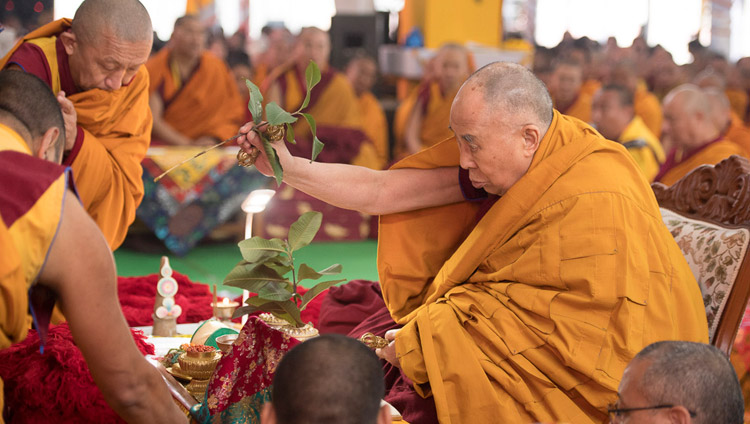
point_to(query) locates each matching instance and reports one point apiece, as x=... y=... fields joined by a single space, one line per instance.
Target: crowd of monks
x=511 y=309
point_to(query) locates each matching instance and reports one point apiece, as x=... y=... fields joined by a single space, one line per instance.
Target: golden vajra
x=373 y=342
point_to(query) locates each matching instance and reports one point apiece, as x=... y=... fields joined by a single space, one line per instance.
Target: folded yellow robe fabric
x=533 y=313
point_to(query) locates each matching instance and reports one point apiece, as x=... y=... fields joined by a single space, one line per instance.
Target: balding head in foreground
x=28 y=106
x=499 y=116
x=680 y=382
x=108 y=42
x=328 y=379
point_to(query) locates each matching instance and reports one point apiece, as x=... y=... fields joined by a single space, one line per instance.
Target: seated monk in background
x=524 y=282
x=646 y=105
x=690 y=129
x=613 y=116
x=193 y=96
x=567 y=96
x=726 y=120
x=333 y=104
x=94 y=65
x=52 y=249
x=425 y=112
x=362 y=72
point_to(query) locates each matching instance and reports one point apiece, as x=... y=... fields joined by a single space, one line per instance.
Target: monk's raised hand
x=70 y=117
x=250 y=143
x=389 y=352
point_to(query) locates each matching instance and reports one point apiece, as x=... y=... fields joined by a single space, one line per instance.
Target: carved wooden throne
x=708 y=213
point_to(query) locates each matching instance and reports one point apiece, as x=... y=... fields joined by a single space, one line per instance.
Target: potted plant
x=268 y=269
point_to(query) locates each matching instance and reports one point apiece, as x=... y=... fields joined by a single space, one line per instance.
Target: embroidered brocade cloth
x=189 y=202
x=241 y=383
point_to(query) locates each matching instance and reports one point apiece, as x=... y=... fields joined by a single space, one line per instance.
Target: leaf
x=318 y=145
x=275 y=291
x=312 y=75
x=244 y=310
x=258 y=249
x=302 y=232
x=307 y=273
x=273 y=159
x=255 y=105
x=291 y=311
x=277 y=116
x=290 y=134
x=315 y=291
x=255 y=280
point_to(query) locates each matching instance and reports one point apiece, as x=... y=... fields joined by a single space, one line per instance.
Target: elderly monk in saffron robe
x=531 y=310
x=52 y=249
x=421 y=119
x=94 y=64
x=362 y=72
x=567 y=96
x=333 y=104
x=726 y=120
x=646 y=104
x=193 y=96
x=613 y=116
x=690 y=128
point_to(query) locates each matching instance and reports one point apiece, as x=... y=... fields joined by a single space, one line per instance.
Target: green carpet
x=209 y=264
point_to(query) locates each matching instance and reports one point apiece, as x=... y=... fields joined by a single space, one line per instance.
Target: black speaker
x=352 y=33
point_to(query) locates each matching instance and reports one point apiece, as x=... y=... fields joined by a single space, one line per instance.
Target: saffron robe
x=114 y=132
x=738 y=100
x=31 y=200
x=375 y=126
x=436 y=110
x=679 y=164
x=335 y=108
x=648 y=107
x=580 y=108
x=206 y=104
x=534 y=313
x=643 y=146
x=738 y=132
x=590 y=87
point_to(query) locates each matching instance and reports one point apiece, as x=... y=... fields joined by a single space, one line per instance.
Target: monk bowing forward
x=94 y=64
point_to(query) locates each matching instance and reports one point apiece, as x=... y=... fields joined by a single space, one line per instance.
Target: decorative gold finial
x=374 y=342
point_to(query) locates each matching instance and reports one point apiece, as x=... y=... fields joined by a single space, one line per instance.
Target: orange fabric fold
x=533 y=313
x=207 y=104
x=648 y=107
x=738 y=132
x=581 y=107
x=710 y=155
x=117 y=132
x=375 y=126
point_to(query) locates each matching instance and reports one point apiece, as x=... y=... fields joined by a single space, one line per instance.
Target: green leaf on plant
x=316 y=290
x=302 y=232
x=255 y=105
x=307 y=273
x=275 y=291
x=255 y=279
x=275 y=115
x=290 y=134
x=317 y=144
x=316 y=148
x=273 y=159
x=243 y=310
x=312 y=75
x=292 y=313
x=258 y=249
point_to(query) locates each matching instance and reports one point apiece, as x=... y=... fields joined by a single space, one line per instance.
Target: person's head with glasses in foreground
x=679 y=382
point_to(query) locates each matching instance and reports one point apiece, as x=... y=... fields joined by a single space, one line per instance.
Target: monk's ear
x=47 y=147
x=69 y=41
x=532 y=136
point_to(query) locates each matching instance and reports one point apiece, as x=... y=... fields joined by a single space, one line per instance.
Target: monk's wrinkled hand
x=389 y=352
x=70 y=117
x=250 y=142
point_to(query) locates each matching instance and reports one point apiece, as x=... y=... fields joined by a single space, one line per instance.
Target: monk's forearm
x=371 y=191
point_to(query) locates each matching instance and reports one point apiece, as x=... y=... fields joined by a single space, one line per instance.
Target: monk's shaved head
x=691 y=98
x=511 y=88
x=126 y=20
x=721 y=109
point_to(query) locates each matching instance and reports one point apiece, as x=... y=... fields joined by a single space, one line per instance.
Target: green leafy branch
x=278 y=117
x=268 y=269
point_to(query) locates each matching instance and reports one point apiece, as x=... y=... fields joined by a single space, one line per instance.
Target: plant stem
x=221 y=143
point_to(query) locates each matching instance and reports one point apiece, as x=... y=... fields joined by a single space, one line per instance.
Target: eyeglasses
x=615 y=414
